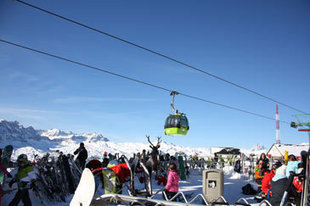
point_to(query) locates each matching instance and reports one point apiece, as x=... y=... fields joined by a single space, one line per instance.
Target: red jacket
x=266 y=181
x=122 y=171
x=297 y=184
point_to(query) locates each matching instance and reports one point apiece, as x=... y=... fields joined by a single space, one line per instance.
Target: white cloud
x=24 y=76
x=99 y=99
x=25 y=113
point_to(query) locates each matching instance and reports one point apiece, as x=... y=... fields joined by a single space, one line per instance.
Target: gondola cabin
x=176 y=124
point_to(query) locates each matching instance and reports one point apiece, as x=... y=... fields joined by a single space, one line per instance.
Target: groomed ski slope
x=233 y=182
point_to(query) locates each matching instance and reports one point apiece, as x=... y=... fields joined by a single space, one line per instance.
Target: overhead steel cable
x=161 y=55
x=133 y=79
x=85 y=65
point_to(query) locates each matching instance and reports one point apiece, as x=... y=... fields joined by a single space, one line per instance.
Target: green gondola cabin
x=176 y=125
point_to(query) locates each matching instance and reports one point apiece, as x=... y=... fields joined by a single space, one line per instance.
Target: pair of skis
x=85 y=190
x=146 y=170
x=5 y=160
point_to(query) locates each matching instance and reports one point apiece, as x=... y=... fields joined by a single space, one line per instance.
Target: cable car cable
x=162 y=55
x=135 y=80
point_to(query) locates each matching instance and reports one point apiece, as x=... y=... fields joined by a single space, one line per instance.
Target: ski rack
x=218 y=202
x=184 y=197
x=132 y=191
x=245 y=202
x=108 y=198
x=265 y=202
x=131 y=200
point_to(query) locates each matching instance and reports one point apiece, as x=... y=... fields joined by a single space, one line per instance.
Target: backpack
x=111 y=181
x=248 y=190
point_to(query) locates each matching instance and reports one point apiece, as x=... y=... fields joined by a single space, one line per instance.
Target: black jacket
x=82 y=154
x=278 y=188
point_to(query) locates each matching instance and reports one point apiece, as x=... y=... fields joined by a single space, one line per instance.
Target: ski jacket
x=266 y=181
x=265 y=163
x=298 y=185
x=237 y=167
x=291 y=166
x=122 y=171
x=278 y=189
x=82 y=154
x=173 y=181
x=105 y=162
x=25 y=175
x=259 y=173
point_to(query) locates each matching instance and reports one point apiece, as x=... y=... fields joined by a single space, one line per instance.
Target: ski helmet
x=22 y=158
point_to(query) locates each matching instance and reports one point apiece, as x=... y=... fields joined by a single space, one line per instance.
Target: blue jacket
x=291 y=166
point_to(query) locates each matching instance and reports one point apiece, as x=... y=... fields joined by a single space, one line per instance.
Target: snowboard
x=181 y=168
x=5 y=160
x=85 y=191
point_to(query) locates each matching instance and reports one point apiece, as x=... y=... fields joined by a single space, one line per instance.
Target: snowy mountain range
x=31 y=141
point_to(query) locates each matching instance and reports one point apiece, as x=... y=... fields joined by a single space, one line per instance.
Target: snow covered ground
x=192 y=186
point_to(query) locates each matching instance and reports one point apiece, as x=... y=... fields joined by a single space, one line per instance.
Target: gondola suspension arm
x=173 y=93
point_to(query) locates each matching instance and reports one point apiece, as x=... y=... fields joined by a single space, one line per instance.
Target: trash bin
x=212 y=184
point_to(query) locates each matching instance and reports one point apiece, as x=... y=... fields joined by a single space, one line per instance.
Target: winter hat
x=277 y=165
x=280 y=173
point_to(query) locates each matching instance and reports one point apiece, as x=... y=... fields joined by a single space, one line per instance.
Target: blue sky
x=261 y=45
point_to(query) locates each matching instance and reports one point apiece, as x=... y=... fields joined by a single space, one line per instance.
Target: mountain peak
x=17 y=135
x=54 y=133
x=258 y=147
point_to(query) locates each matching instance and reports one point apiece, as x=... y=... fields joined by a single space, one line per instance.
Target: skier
x=82 y=155
x=259 y=174
x=143 y=157
x=162 y=177
x=25 y=179
x=292 y=165
x=3 y=169
x=172 y=185
x=237 y=166
x=105 y=160
x=278 y=184
x=266 y=188
x=264 y=160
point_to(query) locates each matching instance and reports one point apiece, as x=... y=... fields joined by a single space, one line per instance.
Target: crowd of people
x=283 y=176
x=27 y=173
x=272 y=180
